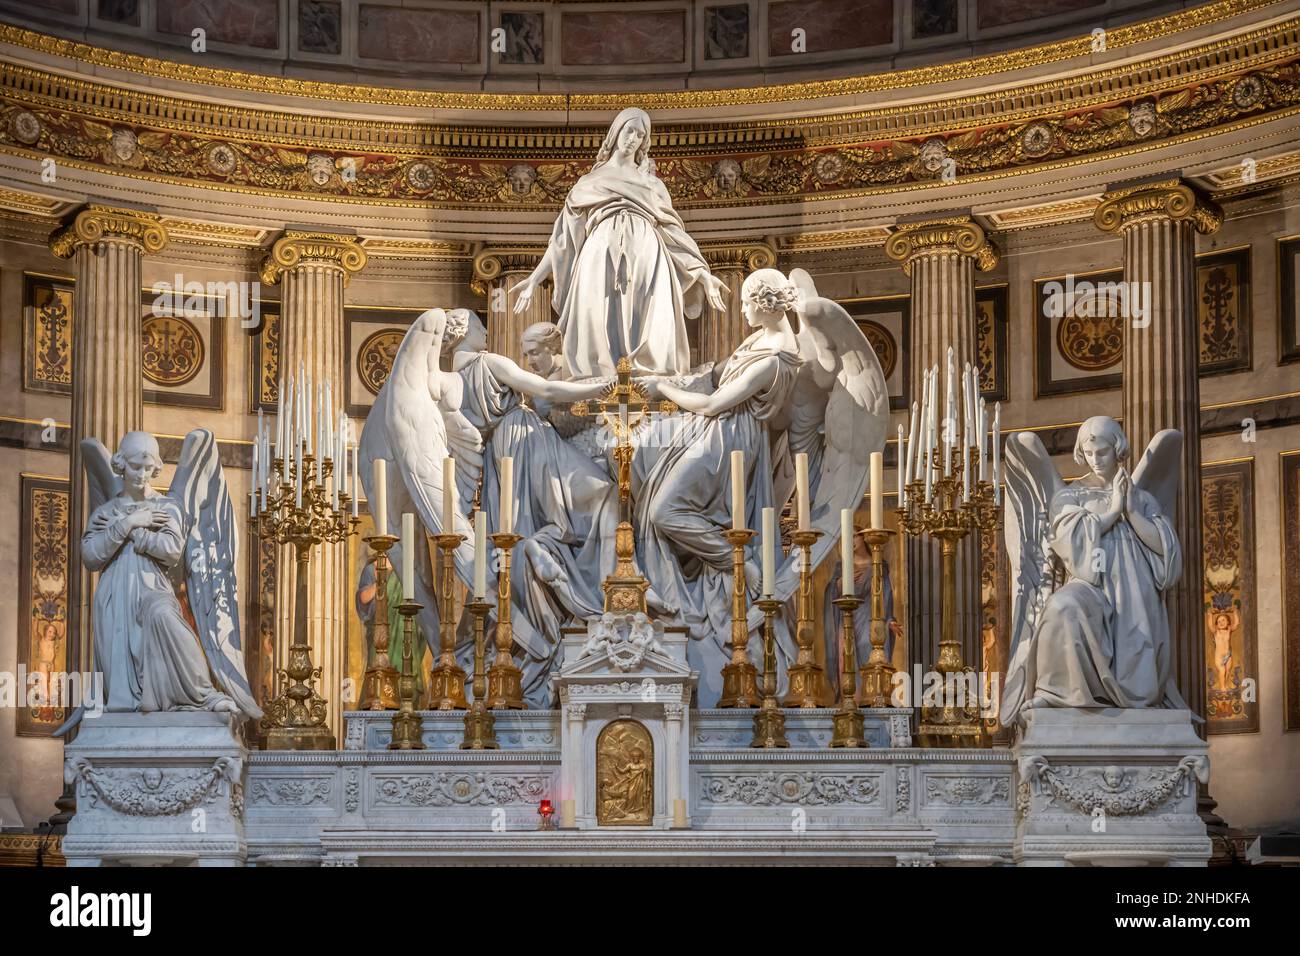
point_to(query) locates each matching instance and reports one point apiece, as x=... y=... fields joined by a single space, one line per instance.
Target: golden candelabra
x=379 y=685
x=769 y=721
x=806 y=675
x=295 y=720
x=447 y=678
x=739 y=676
x=408 y=725
x=945 y=516
x=848 y=722
x=876 y=676
x=480 y=723
x=505 y=679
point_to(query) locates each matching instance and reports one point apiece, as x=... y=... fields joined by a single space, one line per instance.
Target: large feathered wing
x=1031 y=484
x=841 y=377
x=1160 y=470
x=209 y=562
x=101 y=483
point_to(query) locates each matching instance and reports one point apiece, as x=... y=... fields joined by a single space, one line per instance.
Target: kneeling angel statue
x=1091 y=562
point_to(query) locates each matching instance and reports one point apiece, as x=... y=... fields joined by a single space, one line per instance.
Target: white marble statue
x=1091 y=561
x=680 y=474
x=626 y=275
x=147 y=547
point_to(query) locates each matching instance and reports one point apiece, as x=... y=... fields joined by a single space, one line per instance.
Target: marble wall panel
x=254 y=23
x=412 y=35
x=829 y=25
x=616 y=38
x=998 y=13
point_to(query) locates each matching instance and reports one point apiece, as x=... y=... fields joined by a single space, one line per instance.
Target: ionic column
x=497 y=270
x=941 y=257
x=674 y=711
x=577 y=717
x=107 y=245
x=313 y=268
x=722 y=331
x=1160 y=367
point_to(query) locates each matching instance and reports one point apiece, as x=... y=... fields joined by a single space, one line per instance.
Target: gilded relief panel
x=42 y=602
x=624 y=775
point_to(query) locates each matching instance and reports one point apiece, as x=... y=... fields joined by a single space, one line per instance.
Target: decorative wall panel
x=183 y=346
x=372 y=338
x=991 y=322
x=1290 y=491
x=1228 y=545
x=1288 y=305
x=47 y=329
x=264 y=360
x=886 y=322
x=42 y=597
x=1223 y=310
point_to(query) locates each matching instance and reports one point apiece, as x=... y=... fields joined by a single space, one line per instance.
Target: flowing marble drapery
x=683 y=505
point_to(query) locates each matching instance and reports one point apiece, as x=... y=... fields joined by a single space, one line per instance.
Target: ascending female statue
x=626 y=274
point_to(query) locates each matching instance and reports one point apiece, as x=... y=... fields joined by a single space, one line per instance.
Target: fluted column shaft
x=721 y=331
x=941 y=258
x=313 y=269
x=496 y=272
x=1161 y=387
x=107 y=245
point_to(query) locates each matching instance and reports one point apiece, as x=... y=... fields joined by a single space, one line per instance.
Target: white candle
x=769 y=550
x=997 y=453
x=480 y=554
x=878 y=488
x=327 y=413
x=737 y=490
x=356 y=485
x=902 y=490
x=306 y=416
x=379 y=507
x=252 y=499
x=965 y=474
x=279 y=420
x=506 y=516
x=804 y=507
x=949 y=415
x=297 y=477
x=846 y=550
x=408 y=556
x=449 y=496
x=981 y=429
x=911 y=448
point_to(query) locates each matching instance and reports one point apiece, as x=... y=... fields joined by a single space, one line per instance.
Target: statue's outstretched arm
x=529 y=383
x=753 y=380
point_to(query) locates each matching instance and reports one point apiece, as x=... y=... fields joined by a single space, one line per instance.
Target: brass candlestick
x=447 y=679
x=379 y=685
x=505 y=679
x=948 y=517
x=769 y=722
x=295 y=720
x=408 y=725
x=739 y=676
x=806 y=676
x=480 y=723
x=848 y=723
x=877 y=675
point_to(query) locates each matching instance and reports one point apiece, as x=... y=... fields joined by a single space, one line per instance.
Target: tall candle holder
x=408 y=725
x=876 y=677
x=769 y=721
x=739 y=676
x=848 y=723
x=480 y=723
x=505 y=679
x=447 y=678
x=948 y=516
x=807 y=677
x=302 y=514
x=379 y=685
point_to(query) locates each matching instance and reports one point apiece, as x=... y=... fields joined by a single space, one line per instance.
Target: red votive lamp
x=546 y=810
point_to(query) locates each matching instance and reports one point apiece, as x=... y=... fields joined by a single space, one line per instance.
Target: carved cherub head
x=138 y=462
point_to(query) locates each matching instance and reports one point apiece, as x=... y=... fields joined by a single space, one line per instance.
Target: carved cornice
x=97 y=223
x=1057 y=52
x=295 y=248
x=743 y=256
x=1121 y=209
x=941 y=237
x=828 y=241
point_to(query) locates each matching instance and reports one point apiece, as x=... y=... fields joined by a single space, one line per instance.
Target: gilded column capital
x=95 y=222
x=494 y=261
x=296 y=247
x=957 y=236
x=746 y=256
x=1171 y=199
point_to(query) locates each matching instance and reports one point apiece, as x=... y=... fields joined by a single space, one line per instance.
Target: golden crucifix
x=623 y=409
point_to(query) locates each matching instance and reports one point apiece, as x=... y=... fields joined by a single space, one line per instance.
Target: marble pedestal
x=163 y=789
x=1109 y=788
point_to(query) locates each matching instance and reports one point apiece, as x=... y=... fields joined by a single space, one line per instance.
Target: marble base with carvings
x=1109 y=788
x=157 y=790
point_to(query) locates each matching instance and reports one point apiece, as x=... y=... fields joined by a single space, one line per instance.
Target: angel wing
x=101 y=482
x=1031 y=482
x=405 y=427
x=839 y=430
x=1161 y=469
x=209 y=563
